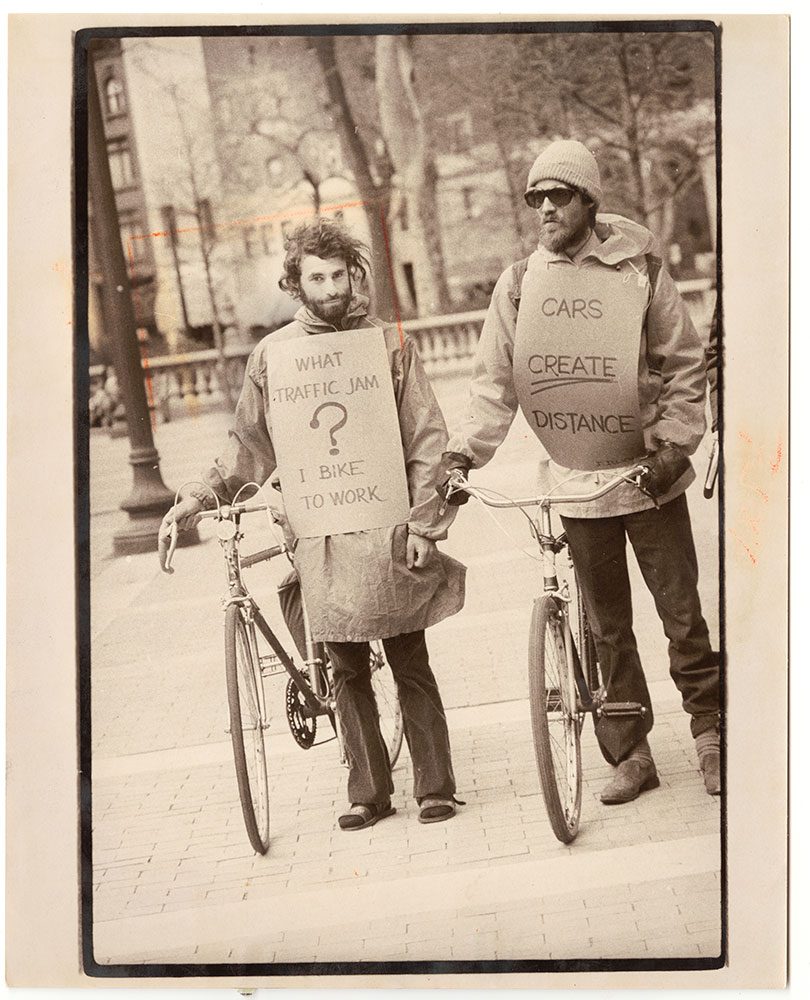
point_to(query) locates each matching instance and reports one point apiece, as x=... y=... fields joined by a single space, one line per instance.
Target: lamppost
x=150 y=498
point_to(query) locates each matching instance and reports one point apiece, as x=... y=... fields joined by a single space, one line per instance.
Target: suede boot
x=634 y=775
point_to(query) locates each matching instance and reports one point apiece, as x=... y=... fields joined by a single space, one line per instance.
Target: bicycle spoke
x=247 y=736
x=555 y=722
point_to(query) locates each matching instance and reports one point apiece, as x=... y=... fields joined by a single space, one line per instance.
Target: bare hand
x=418 y=551
x=184 y=516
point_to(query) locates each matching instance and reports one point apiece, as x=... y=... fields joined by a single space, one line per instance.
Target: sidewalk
x=175 y=878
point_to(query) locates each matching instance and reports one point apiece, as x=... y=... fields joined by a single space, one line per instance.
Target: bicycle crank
x=301 y=722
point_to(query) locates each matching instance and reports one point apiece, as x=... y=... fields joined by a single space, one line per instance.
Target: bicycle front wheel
x=556 y=724
x=243 y=676
x=388 y=707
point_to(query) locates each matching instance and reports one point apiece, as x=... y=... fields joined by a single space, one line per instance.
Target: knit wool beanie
x=570 y=162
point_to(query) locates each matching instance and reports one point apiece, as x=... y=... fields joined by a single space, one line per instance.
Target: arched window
x=114 y=96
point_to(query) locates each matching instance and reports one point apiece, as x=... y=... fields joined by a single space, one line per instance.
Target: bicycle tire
x=556 y=725
x=243 y=675
x=387 y=698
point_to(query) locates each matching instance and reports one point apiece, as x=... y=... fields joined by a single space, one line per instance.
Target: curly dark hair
x=322 y=238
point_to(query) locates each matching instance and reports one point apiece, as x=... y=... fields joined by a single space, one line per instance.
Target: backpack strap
x=518 y=272
x=654 y=265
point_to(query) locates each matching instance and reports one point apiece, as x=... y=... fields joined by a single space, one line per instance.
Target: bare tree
x=375 y=192
x=406 y=136
x=201 y=178
x=642 y=101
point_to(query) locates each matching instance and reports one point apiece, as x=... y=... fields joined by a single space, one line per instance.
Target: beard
x=329 y=310
x=556 y=235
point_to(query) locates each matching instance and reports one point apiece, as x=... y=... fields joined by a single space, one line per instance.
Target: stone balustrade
x=189 y=384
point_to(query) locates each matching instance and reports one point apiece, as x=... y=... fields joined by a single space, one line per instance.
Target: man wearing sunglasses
x=591 y=340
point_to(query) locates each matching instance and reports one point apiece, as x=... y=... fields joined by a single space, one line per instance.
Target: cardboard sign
x=336 y=433
x=576 y=363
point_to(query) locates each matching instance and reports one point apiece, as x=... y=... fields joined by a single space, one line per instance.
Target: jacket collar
x=614 y=239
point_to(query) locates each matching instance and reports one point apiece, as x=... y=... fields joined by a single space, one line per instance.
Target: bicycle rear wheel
x=243 y=676
x=556 y=724
x=388 y=707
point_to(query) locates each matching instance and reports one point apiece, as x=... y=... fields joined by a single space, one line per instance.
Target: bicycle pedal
x=618 y=708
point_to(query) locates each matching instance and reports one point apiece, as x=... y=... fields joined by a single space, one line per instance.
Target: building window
x=411 y=283
x=268 y=232
x=459 y=132
x=114 y=96
x=134 y=248
x=169 y=217
x=120 y=166
x=471 y=209
x=251 y=241
x=404 y=218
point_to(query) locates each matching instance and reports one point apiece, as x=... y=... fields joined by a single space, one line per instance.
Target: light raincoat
x=671 y=373
x=357 y=586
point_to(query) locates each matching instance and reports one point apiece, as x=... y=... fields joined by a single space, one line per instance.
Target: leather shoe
x=710 y=767
x=632 y=777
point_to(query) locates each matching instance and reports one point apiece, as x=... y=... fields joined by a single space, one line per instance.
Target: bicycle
x=253 y=653
x=564 y=678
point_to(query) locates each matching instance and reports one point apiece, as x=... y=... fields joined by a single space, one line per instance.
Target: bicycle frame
x=563 y=680
x=550 y=545
x=318 y=700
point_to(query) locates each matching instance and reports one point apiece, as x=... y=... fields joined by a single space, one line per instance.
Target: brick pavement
x=172 y=863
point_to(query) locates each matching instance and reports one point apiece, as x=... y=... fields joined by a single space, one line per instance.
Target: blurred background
x=218 y=145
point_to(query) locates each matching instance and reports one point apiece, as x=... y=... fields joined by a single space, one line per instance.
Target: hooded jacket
x=671 y=372
x=357 y=586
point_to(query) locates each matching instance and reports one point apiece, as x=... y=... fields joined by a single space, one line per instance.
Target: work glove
x=451 y=461
x=666 y=466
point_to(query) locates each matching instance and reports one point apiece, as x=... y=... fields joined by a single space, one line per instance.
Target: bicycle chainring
x=302 y=724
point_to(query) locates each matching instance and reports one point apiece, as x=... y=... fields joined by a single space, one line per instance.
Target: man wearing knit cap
x=590 y=338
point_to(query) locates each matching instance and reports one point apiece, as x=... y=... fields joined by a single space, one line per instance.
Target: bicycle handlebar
x=225 y=512
x=633 y=476
x=271 y=553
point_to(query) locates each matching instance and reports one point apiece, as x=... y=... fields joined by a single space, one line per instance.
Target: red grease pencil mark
x=301 y=213
x=756 y=467
x=393 y=283
x=750 y=553
x=775 y=465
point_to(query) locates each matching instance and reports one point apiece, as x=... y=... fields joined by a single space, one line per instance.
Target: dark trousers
x=663 y=545
x=423 y=717
x=289 y=598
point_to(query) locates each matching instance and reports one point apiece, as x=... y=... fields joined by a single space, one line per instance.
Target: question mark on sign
x=335 y=427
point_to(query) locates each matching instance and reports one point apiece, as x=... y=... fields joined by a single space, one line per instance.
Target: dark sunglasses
x=559 y=197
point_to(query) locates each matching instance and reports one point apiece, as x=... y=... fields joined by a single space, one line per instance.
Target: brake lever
x=637 y=481
x=173 y=533
x=711 y=472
